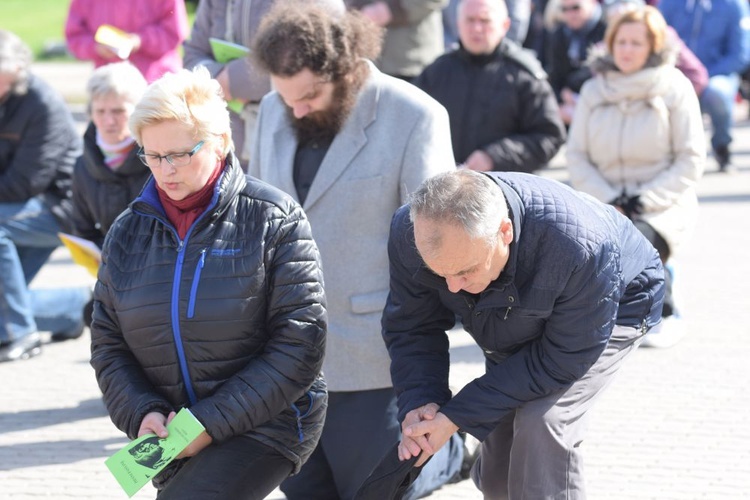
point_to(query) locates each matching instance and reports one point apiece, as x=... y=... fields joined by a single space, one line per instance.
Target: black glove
x=633 y=206
x=630 y=205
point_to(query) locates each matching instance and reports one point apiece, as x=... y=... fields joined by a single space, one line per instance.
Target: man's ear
x=506 y=231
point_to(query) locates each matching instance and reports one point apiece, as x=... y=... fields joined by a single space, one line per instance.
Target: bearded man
x=349 y=143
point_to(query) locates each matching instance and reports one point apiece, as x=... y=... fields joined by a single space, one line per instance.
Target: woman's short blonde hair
x=656 y=27
x=190 y=97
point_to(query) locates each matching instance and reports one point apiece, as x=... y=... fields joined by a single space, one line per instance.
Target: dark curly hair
x=297 y=35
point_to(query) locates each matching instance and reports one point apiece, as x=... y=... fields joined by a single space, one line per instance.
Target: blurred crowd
x=347 y=113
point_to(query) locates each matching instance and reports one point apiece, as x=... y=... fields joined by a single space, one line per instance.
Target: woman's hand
x=155 y=423
x=195 y=445
x=202 y=441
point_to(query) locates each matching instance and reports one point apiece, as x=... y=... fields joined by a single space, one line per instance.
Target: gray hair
x=121 y=79
x=15 y=59
x=463 y=197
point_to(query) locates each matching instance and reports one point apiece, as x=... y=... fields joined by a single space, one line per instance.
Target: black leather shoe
x=723 y=158
x=69 y=335
x=24 y=348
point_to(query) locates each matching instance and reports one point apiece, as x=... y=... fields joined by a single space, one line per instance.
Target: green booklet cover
x=224 y=52
x=143 y=458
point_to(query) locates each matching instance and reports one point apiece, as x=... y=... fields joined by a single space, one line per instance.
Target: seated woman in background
x=637 y=139
x=109 y=174
x=210 y=297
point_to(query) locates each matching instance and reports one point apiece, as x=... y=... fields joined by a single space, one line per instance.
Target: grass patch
x=41 y=23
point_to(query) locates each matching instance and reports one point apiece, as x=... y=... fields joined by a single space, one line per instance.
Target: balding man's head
x=482 y=24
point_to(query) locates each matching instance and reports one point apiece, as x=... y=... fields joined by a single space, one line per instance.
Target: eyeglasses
x=174 y=159
x=571 y=8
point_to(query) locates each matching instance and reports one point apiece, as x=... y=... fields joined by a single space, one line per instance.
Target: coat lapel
x=284 y=148
x=349 y=141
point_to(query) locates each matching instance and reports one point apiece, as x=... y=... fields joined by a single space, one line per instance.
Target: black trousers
x=360 y=428
x=658 y=241
x=241 y=468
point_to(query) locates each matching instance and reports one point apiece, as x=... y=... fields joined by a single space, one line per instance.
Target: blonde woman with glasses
x=210 y=298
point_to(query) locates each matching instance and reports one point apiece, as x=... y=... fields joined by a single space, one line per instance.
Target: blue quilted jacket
x=576 y=268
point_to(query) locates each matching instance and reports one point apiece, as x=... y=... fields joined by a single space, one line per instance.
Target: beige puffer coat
x=641 y=134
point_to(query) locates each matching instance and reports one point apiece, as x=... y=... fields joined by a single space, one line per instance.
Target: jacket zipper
x=194 y=287
x=176 y=333
x=300 y=416
x=174 y=308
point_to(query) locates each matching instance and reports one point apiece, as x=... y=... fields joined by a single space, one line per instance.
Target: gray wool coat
x=395 y=137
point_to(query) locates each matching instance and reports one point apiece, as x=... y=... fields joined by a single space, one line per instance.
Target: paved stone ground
x=672 y=426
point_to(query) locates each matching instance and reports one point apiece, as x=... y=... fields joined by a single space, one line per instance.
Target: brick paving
x=672 y=426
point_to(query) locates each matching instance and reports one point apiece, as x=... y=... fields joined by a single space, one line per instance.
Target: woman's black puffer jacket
x=229 y=322
x=100 y=194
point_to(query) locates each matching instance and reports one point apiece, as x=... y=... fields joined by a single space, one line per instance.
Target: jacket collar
x=516 y=214
x=229 y=185
x=93 y=160
x=351 y=138
x=480 y=59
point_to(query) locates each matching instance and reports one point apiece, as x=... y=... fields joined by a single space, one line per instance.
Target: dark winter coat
x=576 y=269
x=564 y=71
x=39 y=145
x=229 y=322
x=100 y=194
x=500 y=103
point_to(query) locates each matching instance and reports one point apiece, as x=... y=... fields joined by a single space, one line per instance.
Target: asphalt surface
x=672 y=426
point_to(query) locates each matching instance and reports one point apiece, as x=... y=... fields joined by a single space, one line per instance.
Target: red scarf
x=182 y=213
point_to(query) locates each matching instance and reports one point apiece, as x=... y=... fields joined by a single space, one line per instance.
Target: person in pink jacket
x=154 y=29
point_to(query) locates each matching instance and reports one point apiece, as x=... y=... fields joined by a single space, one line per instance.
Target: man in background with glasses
x=565 y=52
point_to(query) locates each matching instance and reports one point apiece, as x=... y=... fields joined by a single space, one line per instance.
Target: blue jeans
x=28 y=236
x=718 y=102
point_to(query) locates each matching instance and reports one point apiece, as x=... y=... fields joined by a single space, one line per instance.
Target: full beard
x=322 y=126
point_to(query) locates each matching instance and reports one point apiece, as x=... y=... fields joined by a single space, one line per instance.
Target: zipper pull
x=298 y=417
x=507 y=312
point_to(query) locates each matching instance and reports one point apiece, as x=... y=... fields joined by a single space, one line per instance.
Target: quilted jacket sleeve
x=414 y=326
x=297 y=322
x=83 y=221
x=541 y=132
x=128 y=394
